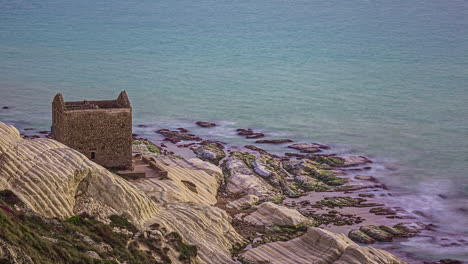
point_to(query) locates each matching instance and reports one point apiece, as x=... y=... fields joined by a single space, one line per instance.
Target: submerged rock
x=256 y=135
x=177 y=136
x=445 y=261
x=307 y=148
x=205 y=124
x=355 y=160
x=366 y=195
x=244 y=132
x=318 y=246
x=183 y=130
x=340 y=202
x=249 y=133
x=383 y=211
x=274 y=141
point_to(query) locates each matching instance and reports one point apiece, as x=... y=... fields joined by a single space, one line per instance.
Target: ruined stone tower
x=101 y=130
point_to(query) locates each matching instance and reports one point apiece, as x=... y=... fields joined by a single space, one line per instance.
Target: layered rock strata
x=318 y=246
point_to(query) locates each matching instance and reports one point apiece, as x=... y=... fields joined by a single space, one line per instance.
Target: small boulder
x=244 y=132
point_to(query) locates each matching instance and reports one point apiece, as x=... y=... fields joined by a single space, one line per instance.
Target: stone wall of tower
x=104 y=135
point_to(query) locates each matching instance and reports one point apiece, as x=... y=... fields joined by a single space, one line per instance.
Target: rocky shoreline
x=338 y=193
x=280 y=199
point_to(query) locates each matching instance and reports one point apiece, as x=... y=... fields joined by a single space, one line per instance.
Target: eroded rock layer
x=56 y=181
x=187 y=181
x=318 y=246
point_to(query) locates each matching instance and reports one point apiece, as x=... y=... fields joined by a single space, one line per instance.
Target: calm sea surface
x=386 y=79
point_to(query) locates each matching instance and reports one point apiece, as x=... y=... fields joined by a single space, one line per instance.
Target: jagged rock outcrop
x=210 y=152
x=242 y=179
x=318 y=246
x=270 y=214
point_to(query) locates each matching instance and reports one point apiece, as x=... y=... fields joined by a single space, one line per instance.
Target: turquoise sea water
x=387 y=79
